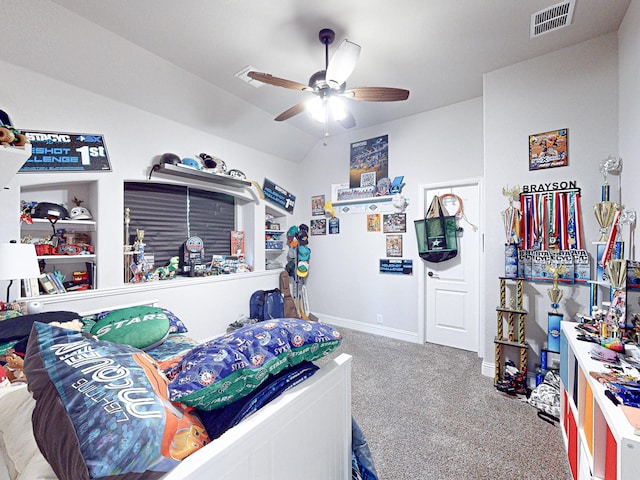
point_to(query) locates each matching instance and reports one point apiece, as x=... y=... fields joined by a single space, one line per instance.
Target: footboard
x=305 y=433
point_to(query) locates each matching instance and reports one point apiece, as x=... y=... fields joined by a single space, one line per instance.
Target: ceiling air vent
x=552 y=18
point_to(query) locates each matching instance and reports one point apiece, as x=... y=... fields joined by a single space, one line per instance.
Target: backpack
x=266 y=304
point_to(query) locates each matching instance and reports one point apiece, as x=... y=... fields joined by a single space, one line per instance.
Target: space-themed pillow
x=102 y=409
x=220 y=371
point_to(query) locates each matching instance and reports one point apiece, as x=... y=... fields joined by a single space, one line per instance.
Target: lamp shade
x=18 y=261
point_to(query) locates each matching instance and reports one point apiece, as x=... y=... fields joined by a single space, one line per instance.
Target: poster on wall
x=369 y=162
x=373 y=222
x=548 y=150
x=317 y=205
x=394 y=245
x=66 y=152
x=318 y=226
x=394 y=223
x=278 y=195
x=398 y=266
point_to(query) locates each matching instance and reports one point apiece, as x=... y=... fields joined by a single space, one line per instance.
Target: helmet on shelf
x=49 y=210
x=80 y=213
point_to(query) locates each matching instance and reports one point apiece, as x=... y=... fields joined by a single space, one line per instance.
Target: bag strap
x=437 y=210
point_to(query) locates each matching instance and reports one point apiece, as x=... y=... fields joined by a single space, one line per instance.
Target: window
x=170 y=214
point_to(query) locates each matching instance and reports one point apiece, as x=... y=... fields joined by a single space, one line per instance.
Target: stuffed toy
x=14 y=367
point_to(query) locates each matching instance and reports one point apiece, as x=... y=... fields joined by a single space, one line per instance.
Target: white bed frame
x=304 y=433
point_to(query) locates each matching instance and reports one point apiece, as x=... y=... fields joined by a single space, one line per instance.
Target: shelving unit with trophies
x=600 y=425
x=514 y=316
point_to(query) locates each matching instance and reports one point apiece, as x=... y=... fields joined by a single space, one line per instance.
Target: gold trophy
x=617 y=271
x=604 y=212
x=555 y=294
x=554 y=318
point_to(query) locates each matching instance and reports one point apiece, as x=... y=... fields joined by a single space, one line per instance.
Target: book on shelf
x=56 y=282
x=47 y=284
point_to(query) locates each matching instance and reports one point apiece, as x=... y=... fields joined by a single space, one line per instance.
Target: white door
x=452 y=298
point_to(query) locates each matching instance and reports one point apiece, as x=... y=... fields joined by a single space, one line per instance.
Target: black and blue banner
x=278 y=195
x=66 y=152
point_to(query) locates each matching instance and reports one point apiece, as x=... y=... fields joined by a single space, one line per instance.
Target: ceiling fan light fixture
x=317 y=109
x=338 y=108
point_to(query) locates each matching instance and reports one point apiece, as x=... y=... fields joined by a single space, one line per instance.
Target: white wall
x=574 y=88
x=133 y=138
x=344 y=284
x=629 y=105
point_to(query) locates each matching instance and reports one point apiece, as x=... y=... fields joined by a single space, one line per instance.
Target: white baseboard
x=369 y=328
x=488 y=369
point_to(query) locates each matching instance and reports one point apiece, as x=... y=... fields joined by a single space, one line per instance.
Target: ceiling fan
x=329 y=85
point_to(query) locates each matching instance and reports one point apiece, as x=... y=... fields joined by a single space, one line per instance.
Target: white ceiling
x=437 y=49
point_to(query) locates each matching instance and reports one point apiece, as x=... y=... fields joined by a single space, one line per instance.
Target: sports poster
x=373 y=222
x=318 y=226
x=369 y=162
x=317 y=205
x=394 y=245
x=548 y=150
x=66 y=152
x=394 y=223
x=397 y=266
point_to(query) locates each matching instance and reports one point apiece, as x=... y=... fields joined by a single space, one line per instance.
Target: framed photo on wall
x=548 y=150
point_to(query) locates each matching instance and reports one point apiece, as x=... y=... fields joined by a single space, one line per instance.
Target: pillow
x=14 y=332
x=18 y=448
x=222 y=419
x=172 y=350
x=102 y=409
x=19 y=327
x=223 y=370
x=176 y=325
x=140 y=326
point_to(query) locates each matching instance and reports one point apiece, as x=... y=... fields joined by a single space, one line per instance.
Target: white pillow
x=21 y=459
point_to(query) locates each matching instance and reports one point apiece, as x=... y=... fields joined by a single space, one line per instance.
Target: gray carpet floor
x=428 y=413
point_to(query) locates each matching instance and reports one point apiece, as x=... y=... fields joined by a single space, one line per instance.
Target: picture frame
x=394 y=223
x=373 y=222
x=549 y=149
x=394 y=245
x=317 y=205
x=318 y=226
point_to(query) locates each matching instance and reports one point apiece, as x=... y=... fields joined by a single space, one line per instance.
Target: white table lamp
x=18 y=261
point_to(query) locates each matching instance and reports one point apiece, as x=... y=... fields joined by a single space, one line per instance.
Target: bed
x=304 y=431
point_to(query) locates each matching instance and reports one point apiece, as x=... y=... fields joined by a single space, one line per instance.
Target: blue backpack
x=266 y=304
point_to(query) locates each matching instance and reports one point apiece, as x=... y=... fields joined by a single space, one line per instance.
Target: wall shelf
x=193 y=174
x=359 y=201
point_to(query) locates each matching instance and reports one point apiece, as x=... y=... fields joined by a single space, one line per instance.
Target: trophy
x=554 y=318
x=604 y=212
x=617 y=271
x=555 y=294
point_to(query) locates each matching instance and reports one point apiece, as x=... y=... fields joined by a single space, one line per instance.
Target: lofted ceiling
x=437 y=49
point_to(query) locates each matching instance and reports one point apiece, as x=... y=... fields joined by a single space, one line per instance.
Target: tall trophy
x=511 y=220
x=554 y=318
x=617 y=314
x=606 y=209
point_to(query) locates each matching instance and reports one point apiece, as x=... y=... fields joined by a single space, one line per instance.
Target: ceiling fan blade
x=342 y=63
x=348 y=121
x=278 y=82
x=377 y=94
x=295 y=110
